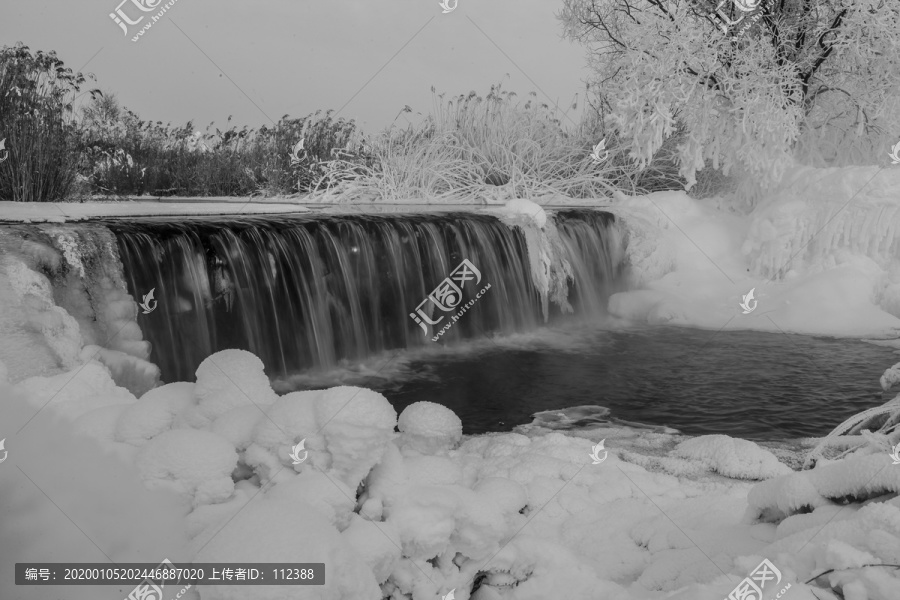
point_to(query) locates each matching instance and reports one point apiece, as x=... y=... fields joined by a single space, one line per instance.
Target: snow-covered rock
x=732 y=457
x=228 y=379
x=429 y=428
x=356 y=424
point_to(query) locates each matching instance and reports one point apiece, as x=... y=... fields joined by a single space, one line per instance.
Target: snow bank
x=416 y=514
x=76 y=392
x=65 y=499
x=55 y=212
x=693 y=261
x=285 y=530
x=818 y=217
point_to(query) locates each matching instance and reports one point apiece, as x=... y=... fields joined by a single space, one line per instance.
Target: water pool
x=762 y=386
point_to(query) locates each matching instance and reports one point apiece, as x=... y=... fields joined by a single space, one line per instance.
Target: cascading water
x=308 y=292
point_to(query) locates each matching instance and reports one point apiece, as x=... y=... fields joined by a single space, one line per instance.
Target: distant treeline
x=466 y=147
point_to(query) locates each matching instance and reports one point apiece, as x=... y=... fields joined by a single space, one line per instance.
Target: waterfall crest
x=310 y=291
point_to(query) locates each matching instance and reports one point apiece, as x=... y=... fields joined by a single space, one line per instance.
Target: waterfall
x=306 y=292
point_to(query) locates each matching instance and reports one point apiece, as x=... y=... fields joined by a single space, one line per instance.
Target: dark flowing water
x=764 y=386
x=312 y=291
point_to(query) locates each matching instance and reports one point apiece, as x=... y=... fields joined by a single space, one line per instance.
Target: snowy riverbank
x=417 y=513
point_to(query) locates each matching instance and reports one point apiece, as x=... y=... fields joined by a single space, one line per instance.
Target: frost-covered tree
x=817 y=80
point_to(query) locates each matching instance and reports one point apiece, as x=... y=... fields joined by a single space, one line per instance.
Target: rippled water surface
x=753 y=385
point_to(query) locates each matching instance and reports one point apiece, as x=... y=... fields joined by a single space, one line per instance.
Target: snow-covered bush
x=854 y=432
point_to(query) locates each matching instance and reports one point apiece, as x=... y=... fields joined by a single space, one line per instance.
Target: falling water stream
x=306 y=292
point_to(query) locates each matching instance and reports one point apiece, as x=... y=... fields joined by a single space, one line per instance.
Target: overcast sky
x=258 y=61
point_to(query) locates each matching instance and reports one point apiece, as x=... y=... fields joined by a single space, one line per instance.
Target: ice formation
x=66 y=286
x=550 y=268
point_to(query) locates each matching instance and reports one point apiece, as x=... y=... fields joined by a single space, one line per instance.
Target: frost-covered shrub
x=797 y=80
x=854 y=432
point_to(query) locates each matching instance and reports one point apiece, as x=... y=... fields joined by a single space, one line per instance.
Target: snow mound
x=192 y=462
x=377 y=543
x=835 y=542
x=537 y=569
x=284 y=530
x=521 y=206
x=332 y=499
x=76 y=392
x=732 y=457
x=238 y=425
x=228 y=379
x=291 y=418
x=856 y=477
x=890 y=378
x=356 y=424
x=154 y=413
x=429 y=428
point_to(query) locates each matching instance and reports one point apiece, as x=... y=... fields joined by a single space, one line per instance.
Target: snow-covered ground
x=421 y=511
x=405 y=507
x=62 y=212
